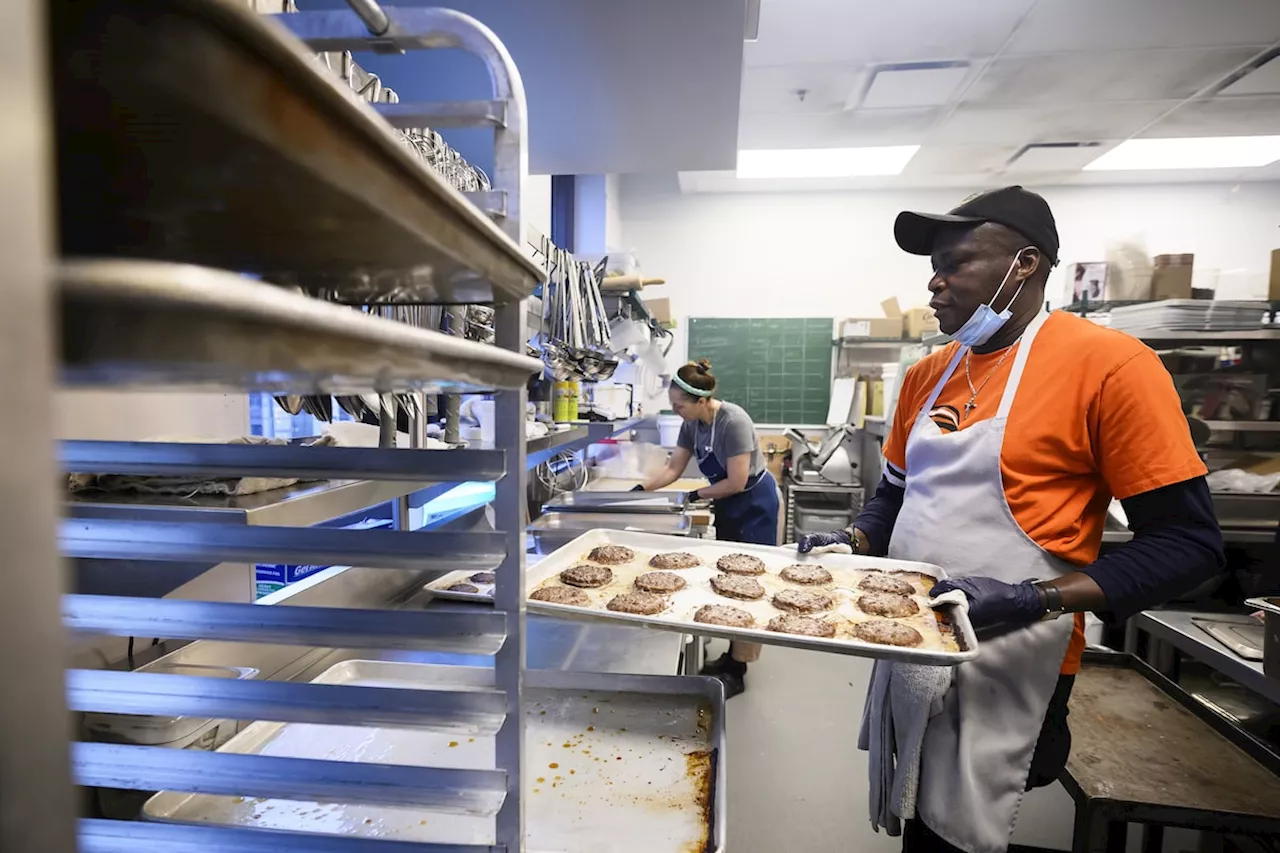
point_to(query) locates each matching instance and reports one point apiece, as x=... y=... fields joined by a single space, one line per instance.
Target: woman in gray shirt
x=744 y=495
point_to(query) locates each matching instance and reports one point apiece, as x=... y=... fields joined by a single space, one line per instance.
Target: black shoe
x=734 y=681
x=724 y=663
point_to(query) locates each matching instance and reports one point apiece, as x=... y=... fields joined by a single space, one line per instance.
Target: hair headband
x=689 y=389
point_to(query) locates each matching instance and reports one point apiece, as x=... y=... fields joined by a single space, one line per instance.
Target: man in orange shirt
x=1006 y=448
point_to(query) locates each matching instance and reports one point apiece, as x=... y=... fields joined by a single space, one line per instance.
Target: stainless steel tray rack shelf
x=195 y=134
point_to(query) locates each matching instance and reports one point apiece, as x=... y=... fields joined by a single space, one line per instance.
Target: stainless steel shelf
x=139 y=768
x=1225 y=339
x=198 y=131
x=302 y=505
x=149 y=458
x=144 y=323
x=135 y=836
x=132 y=539
x=464 y=631
x=1176 y=627
x=469 y=712
x=1244 y=426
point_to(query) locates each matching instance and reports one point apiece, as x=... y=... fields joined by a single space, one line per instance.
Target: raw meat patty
x=807 y=575
x=740 y=564
x=886 y=583
x=675 y=560
x=662 y=583
x=612 y=555
x=801 y=601
x=463 y=587
x=641 y=603
x=723 y=614
x=737 y=586
x=806 y=625
x=586 y=575
x=560 y=595
x=887 y=633
x=887 y=604
x=482 y=577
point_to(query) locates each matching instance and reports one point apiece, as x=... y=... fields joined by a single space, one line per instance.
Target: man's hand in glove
x=825 y=542
x=993 y=602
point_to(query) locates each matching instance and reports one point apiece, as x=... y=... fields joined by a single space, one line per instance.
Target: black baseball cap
x=1016 y=208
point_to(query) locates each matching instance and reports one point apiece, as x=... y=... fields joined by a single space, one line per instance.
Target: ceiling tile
x=836 y=129
x=1057 y=25
x=1061 y=122
x=1261 y=81
x=819 y=31
x=1147 y=75
x=773 y=89
x=1221 y=117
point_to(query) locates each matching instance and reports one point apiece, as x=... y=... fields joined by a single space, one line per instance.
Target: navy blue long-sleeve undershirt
x=1176 y=544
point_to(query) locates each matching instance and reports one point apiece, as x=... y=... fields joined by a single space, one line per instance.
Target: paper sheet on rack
x=841 y=401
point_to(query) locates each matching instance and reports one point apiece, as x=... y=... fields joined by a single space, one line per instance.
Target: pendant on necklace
x=969 y=407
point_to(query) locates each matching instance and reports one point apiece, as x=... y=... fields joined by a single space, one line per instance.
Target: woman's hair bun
x=703 y=365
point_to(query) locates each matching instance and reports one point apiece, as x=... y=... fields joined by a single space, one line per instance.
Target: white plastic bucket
x=669 y=429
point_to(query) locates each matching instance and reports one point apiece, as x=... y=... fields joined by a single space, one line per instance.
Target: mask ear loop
x=992 y=304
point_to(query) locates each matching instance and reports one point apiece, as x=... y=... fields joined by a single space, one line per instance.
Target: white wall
x=833 y=254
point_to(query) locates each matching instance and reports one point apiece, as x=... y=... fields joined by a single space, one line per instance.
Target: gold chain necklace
x=973 y=397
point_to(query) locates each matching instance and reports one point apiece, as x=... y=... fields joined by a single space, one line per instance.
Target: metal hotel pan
x=629 y=502
x=678 y=616
x=554 y=530
x=646 y=754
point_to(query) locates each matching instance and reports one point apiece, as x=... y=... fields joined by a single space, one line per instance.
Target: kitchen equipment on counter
x=644 y=770
x=1242 y=634
x=944 y=642
x=832 y=462
x=1270 y=606
x=628 y=502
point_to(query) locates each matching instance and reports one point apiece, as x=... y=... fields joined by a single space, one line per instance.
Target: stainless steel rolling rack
x=198 y=133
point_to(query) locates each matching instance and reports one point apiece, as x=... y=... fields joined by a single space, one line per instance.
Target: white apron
x=977 y=751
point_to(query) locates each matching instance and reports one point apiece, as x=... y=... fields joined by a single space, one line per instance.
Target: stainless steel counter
x=1175 y=627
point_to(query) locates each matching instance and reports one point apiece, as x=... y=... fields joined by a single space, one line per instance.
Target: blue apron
x=749 y=516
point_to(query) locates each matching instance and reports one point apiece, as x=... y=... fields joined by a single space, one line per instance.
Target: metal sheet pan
x=154 y=323
x=847 y=570
x=628 y=502
x=618 y=763
x=298 y=178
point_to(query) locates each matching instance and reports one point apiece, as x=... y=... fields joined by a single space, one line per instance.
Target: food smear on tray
x=715 y=586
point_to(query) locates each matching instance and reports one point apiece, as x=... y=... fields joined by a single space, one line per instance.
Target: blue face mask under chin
x=985 y=322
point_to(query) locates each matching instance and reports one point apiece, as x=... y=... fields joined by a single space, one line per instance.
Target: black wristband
x=1052 y=599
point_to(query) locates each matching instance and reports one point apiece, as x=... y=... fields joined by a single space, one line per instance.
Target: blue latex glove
x=809 y=541
x=993 y=602
x=637 y=488
x=693 y=496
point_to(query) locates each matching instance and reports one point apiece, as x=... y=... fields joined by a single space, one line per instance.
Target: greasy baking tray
x=948 y=635
x=624 y=763
x=439 y=587
x=629 y=502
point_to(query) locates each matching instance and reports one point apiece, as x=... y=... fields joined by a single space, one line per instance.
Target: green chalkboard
x=778 y=369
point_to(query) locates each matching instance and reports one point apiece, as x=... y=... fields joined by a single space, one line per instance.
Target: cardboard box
x=918 y=322
x=659 y=309
x=1171 y=278
x=1273 y=289
x=888 y=326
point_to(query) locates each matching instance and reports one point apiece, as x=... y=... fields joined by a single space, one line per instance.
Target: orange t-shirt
x=1096 y=415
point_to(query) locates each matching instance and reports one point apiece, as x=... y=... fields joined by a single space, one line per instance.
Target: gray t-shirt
x=730 y=434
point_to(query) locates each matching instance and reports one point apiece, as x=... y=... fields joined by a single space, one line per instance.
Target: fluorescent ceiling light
x=1206 y=152
x=824 y=162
